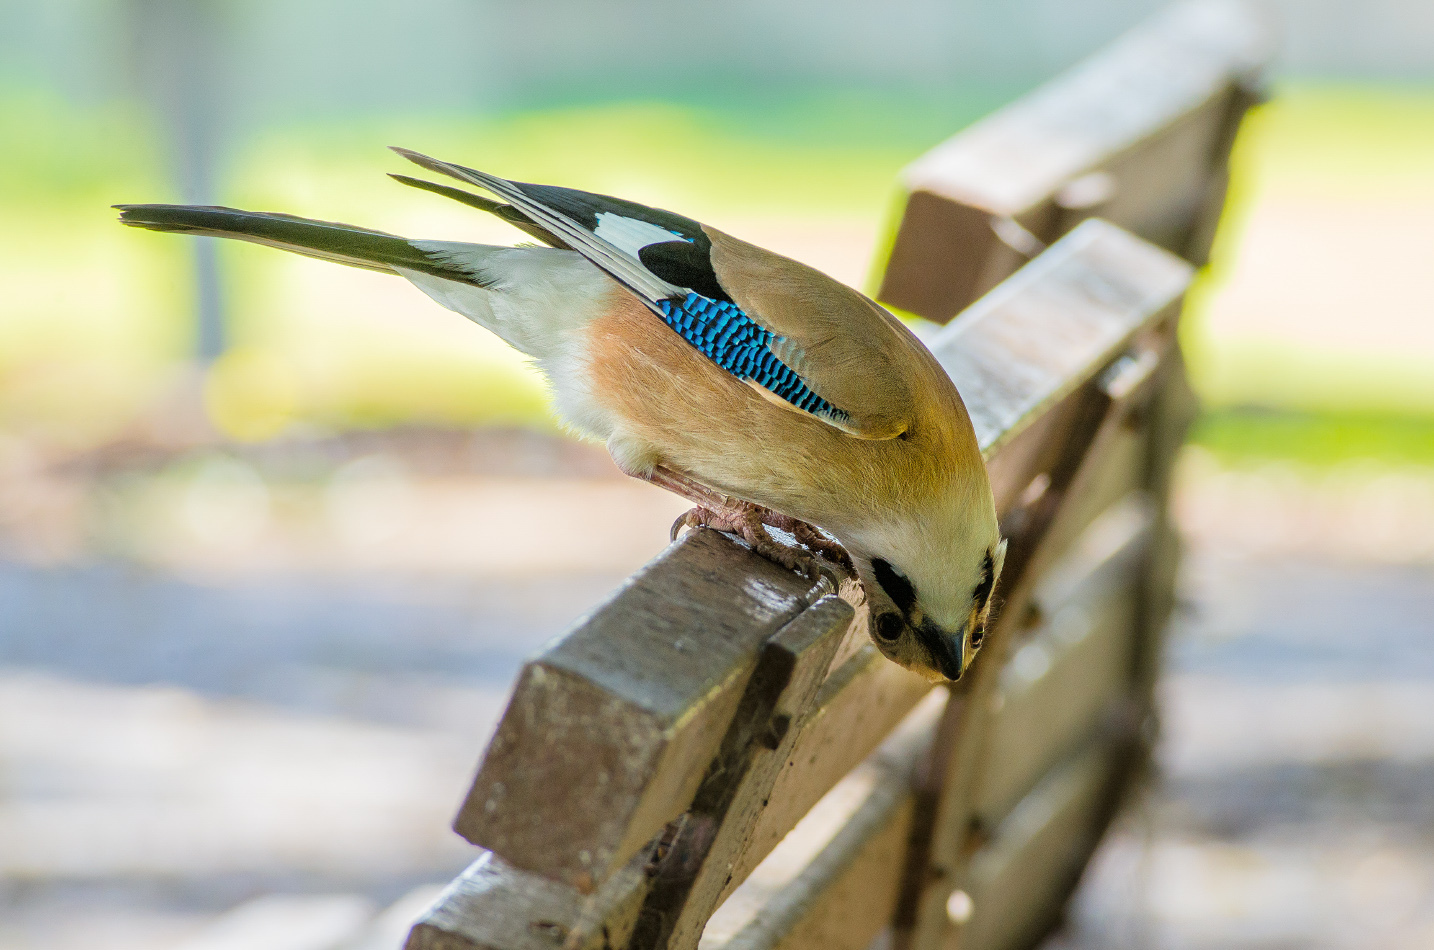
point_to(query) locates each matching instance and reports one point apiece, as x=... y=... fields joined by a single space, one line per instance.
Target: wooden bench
x=651 y=759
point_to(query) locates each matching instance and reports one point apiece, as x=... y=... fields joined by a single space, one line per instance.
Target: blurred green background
x=1310 y=336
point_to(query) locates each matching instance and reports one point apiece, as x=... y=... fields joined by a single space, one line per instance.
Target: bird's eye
x=897 y=587
x=889 y=627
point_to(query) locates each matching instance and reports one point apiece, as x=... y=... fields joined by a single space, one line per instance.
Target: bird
x=762 y=390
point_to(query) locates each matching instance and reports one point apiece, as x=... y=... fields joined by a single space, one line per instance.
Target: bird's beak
x=948 y=654
x=969 y=649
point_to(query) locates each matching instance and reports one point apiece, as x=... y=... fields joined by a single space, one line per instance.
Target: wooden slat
x=646 y=900
x=842 y=895
x=856 y=709
x=1070 y=669
x=612 y=727
x=1171 y=413
x=1018 y=881
x=963 y=750
x=499 y=907
x=494 y=906
x=1039 y=532
x=687 y=883
x=850 y=890
x=1137 y=135
x=1054 y=325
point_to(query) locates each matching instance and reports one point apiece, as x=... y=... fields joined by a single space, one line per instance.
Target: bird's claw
x=688 y=519
x=814 y=540
x=749 y=523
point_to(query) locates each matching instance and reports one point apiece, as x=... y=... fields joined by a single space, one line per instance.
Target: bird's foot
x=716 y=510
x=746 y=522
x=750 y=522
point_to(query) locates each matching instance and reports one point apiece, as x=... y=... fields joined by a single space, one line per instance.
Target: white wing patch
x=631 y=235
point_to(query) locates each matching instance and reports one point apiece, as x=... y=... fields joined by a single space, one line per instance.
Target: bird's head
x=930 y=583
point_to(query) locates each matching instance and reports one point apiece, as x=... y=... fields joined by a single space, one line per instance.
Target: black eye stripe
x=898 y=588
x=987 y=582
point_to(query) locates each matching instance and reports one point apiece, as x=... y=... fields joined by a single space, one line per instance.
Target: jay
x=762 y=390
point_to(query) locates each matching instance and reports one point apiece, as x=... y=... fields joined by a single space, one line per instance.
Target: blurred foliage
x=1326 y=312
x=95 y=321
x=1239 y=437
x=89 y=320
x=1339 y=140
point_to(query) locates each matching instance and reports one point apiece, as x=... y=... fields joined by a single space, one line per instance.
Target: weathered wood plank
x=686 y=884
x=1171 y=413
x=1055 y=324
x=1039 y=535
x=1071 y=668
x=841 y=899
x=1019 y=880
x=850 y=890
x=1137 y=135
x=847 y=894
x=494 y=906
x=855 y=711
x=613 y=726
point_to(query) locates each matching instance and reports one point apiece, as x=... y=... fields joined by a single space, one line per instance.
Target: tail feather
x=533 y=298
x=325 y=240
x=508 y=213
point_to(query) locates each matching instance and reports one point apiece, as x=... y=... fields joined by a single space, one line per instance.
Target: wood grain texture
x=494 y=906
x=703 y=858
x=1018 y=882
x=612 y=727
x=1065 y=675
x=846 y=894
x=850 y=891
x=1054 y=325
x=1041 y=533
x=856 y=709
x=1137 y=135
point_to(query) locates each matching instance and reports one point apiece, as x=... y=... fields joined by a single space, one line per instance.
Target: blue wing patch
x=738 y=344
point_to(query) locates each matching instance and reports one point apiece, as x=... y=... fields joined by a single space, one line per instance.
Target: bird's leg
x=719 y=511
x=695 y=492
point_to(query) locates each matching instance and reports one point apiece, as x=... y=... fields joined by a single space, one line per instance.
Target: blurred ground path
x=229 y=687
x=169 y=750
x=1295 y=805
x=278 y=740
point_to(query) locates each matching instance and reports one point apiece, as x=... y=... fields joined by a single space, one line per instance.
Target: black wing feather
x=584 y=207
x=686 y=263
x=507 y=212
x=680 y=263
